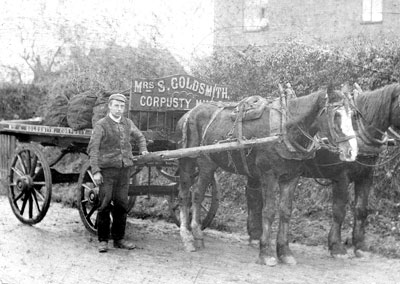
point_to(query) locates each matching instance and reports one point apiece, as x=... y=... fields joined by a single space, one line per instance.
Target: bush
x=258 y=70
x=20 y=101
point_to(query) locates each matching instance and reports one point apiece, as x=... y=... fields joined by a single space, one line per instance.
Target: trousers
x=113 y=198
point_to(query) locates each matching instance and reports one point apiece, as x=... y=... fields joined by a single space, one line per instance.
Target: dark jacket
x=110 y=147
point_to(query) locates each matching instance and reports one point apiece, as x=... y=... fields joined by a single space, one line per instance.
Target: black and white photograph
x=199 y=141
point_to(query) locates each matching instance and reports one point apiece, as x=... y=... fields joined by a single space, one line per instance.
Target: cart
x=155 y=105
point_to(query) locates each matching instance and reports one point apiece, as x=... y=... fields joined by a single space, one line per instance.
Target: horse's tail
x=183 y=125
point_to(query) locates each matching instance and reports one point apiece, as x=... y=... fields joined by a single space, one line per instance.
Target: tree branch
x=14 y=70
x=53 y=58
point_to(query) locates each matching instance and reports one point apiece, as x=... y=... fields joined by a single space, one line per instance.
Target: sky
x=184 y=27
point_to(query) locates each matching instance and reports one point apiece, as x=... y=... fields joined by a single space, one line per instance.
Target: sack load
x=57 y=112
x=100 y=108
x=80 y=110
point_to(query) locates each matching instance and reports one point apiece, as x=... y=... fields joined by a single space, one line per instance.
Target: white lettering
x=175 y=103
x=142 y=101
x=225 y=93
x=149 y=101
x=182 y=82
x=188 y=103
x=169 y=102
x=202 y=88
x=195 y=86
x=163 y=100
x=138 y=87
x=209 y=90
x=156 y=101
x=161 y=86
x=174 y=83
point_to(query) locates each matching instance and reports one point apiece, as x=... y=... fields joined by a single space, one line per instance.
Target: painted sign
x=42 y=129
x=177 y=92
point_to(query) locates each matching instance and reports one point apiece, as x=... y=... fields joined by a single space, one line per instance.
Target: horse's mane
x=376 y=105
x=300 y=107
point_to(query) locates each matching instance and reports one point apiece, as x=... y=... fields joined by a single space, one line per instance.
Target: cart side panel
x=7 y=148
x=161 y=121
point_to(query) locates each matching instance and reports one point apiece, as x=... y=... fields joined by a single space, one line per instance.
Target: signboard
x=177 y=92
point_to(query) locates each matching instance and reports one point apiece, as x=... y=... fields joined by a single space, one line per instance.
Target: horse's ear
x=346 y=88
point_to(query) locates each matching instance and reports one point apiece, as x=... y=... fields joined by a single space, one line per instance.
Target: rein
x=362 y=164
x=365 y=136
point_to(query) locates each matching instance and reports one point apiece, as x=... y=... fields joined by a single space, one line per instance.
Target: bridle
x=330 y=109
x=365 y=136
x=317 y=142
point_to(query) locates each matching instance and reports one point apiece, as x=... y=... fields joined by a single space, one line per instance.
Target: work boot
x=124 y=244
x=103 y=246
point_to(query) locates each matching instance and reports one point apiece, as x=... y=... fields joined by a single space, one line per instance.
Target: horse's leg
x=339 y=202
x=268 y=184
x=287 y=188
x=254 y=209
x=186 y=170
x=361 y=188
x=206 y=174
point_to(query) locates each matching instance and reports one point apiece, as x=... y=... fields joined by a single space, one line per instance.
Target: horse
x=296 y=123
x=376 y=111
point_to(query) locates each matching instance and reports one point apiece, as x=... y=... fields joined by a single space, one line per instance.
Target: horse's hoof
x=340 y=256
x=362 y=253
x=338 y=250
x=268 y=261
x=199 y=243
x=289 y=259
x=254 y=243
x=189 y=247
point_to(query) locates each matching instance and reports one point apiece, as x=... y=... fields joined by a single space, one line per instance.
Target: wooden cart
x=155 y=106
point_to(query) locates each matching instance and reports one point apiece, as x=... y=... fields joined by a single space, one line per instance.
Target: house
x=269 y=22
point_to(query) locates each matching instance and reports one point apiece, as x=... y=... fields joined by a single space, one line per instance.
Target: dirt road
x=59 y=250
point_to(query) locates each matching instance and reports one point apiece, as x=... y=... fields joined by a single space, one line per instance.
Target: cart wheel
x=29 y=184
x=88 y=199
x=209 y=205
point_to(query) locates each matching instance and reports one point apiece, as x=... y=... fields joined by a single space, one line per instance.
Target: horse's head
x=334 y=122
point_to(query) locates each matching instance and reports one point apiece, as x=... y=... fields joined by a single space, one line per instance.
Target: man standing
x=111 y=159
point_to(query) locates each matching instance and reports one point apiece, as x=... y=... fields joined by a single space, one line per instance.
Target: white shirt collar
x=117 y=120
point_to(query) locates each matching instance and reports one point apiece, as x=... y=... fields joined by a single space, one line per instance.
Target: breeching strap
x=238 y=124
x=240 y=136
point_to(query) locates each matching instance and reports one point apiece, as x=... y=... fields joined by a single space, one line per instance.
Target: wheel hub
x=24 y=183
x=94 y=196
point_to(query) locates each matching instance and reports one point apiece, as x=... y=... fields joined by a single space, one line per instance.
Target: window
x=255 y=15
x=372 y=11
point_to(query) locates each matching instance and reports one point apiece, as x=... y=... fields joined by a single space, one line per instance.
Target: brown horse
x=278 y=161
x=378 y=110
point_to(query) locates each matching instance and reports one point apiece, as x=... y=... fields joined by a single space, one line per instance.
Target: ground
x=60 y=250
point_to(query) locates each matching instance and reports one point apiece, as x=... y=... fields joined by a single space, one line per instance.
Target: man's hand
x=98 y=178
x=145 y=152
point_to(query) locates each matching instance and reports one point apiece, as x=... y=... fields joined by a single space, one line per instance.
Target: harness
x=250 y=108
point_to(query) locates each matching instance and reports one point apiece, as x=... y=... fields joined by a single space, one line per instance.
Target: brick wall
x=314 y=21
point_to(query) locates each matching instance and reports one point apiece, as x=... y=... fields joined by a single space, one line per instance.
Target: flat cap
x=118 y=97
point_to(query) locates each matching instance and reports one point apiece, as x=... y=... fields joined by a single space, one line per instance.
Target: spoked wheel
x=88 y=199
x=209 y=206
x=29 y=184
